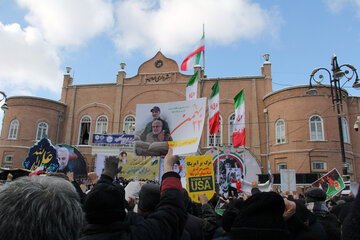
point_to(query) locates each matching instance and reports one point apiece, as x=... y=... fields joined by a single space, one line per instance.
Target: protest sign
x=42 y=155
x=179 y=127
x=288 y=180
x=139 y=167
x=200 y=176
x=235 y=167
x=332 y=183
x=71 y=160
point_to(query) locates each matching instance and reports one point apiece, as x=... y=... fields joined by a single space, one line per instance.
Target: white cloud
x=27 y=62
x=69 y=22
x=176 y=25
x=335 y=6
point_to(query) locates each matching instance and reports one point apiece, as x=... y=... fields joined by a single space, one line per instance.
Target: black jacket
x=167 y=222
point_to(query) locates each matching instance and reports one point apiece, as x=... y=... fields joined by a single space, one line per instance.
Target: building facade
x=287 y=128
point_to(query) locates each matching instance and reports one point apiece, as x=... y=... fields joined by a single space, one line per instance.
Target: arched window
x=42 y=130
x=84 y=131
x=280 y=131
x=218 y=135
x=101 y=125
x=13 y=129
x=345 y=129
x=316 y=128
x=129 y=124
x=230 y=128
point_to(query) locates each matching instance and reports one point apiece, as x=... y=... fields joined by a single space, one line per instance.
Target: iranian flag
x=214 y=117
x=194 y=57
x=191 y=87
x=239 y=122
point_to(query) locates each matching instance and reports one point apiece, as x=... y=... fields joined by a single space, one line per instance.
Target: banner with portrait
x=71 y=160
x=177 y=125
x=234 y=170
x=133 y=167
x=332 y=183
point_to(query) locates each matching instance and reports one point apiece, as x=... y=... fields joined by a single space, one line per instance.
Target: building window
x=8 y=159
x=218 y=135
x=7 y=166
x=13 y=129
x=281 y=166
x=101 y=125
x=85 y=124
x=42 y=130
x=280 y=131
x=129 y=124
x=316 y=128
x=316 y=166
x=230 y=129
x=345 y=129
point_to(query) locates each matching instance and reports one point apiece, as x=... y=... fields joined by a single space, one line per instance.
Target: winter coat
x=167 y=222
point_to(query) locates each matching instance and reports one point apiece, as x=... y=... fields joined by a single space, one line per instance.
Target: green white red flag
x=191 y=87
x=194 y=58
x=239 y=122
x=214 y=115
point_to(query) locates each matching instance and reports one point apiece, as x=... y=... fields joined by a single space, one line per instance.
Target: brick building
x=288 y=128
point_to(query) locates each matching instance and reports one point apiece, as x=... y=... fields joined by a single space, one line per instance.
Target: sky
x=40 y=38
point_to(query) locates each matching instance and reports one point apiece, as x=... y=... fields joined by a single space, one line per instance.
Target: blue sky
x=39 y=38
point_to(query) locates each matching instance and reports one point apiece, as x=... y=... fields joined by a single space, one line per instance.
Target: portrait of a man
x=153 y=139
x=63 y=155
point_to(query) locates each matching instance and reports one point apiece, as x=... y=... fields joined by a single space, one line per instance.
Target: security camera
x=356 y=126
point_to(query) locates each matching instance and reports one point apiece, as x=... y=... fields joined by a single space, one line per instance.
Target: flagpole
x=204 y=51
x=218 y=162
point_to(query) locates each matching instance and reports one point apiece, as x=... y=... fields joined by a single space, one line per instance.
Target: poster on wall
x=200 y=176
x=119 y=139
x=176 y=125
x=42 y=155
x=133 y=167
x=332 y=183
x=71 y=160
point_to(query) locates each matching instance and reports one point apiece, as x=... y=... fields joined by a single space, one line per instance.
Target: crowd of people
x=57 y=207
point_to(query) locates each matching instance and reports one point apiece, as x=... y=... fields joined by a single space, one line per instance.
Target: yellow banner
x=181 y=143
x=200 y=176
x=141 y=167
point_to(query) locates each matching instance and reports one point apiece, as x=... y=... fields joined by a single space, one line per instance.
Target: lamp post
x=4 y=107
x=335 y=75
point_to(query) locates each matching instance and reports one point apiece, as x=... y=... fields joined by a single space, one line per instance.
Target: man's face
x=63 y=159
x=156 y=128
x=155 y=113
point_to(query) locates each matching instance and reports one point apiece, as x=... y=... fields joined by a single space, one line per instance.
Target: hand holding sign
x=169 y=161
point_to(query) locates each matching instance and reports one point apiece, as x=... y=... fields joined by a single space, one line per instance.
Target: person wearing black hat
x=315 y=201
x=105 y=212
x=155 y=112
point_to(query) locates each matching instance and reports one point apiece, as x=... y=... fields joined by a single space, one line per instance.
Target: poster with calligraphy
x=200 y=176
x=139 y=167
x=332 y=183
x=71 y=160
x=177 y=125
x=42 y=154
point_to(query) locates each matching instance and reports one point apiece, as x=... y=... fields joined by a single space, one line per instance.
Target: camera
x=356 y=126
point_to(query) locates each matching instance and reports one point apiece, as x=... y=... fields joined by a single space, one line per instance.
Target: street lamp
x=336 y=93
x=4 y=107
